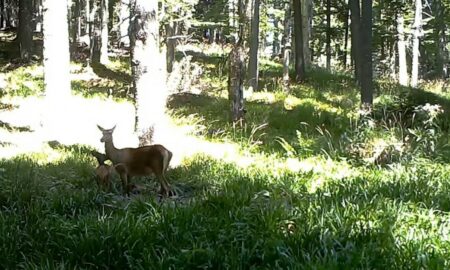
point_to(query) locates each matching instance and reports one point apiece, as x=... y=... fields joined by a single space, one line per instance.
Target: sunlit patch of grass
x=25 y=81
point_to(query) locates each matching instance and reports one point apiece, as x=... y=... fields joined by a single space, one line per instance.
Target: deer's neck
x=112 y=153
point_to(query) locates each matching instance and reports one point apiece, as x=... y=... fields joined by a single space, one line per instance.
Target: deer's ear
x=114 y=127
x=101 y=129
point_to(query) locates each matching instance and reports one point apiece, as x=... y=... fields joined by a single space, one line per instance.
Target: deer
x=103 y=171
x=141 y=161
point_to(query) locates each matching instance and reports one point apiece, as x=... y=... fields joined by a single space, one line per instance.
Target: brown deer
x=103 y=171
x=141 y=161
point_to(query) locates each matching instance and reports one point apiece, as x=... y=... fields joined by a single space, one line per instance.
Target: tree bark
x=287 y=46
x=306 y=31
x=148 y=70
x=254 y=45
x=56 y=49
x=233 y=25
x=124 y=23
x=75 y=21
x=440 y=39
x=276 y=37
x=328 y=35
x=87 y=10
x=25 y=29
x=417 y=33
x=170 y=45
x=104 y=59
x=298 y=39
x=355 y=38
x=2 y=14
x=237 y=69
x=236 y=83
x=366 y=42
x=402 y=65
x=346 y=27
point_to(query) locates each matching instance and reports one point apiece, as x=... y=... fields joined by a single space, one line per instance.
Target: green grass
x=308 y=199
x=53 y=215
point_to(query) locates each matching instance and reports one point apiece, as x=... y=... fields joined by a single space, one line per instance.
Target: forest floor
x=305 y=183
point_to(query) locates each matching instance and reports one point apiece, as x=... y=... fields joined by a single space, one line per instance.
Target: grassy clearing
x=313 y=187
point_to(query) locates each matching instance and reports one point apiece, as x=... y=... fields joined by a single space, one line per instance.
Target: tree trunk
x=254 y=45
x=233 y=25
x=170 y=45
x=76 y=21
x=237 y=69
x=440 y=39
x=328 y=35
x=148 y=70
x=417 y=33
x=306 y=31
x=25 y=29
x=124 y=23
x=402 y=66
x=356 y=33
x=346 y=26
x=236 y=83
x=298 y=39
x=287 y=46
x=2 y=14
x=276 y=38
x=87 y=10
x=56 y=49
x=104 y=59
x=366 y=72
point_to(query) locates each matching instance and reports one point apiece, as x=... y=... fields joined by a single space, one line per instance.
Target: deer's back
x=144 y=160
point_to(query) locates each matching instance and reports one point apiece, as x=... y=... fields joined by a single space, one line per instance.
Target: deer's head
x=107 y=134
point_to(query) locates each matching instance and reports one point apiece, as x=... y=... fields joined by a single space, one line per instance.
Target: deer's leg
x=123 y=173
x=108 y=183
x=163 y=183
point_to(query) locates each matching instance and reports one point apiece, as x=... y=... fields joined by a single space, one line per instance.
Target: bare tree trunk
x=276 y=37
x=298 y=36
x=328 y=35
x=356 y=33
x=93 y=32
x=104 y=59
x=402 y=66
x=76 y=21
x=392 y=60
x=233 y=25
x=2 y=14
x=236 y=83
x=440 y=39
x=417 y=33
x=366 y=72
x=56 y=50
x=25 y=29
x=254 y=45
x=306 y=31
x=124 y=23
x=287 y=45
x=237 y=69
x=170 y=45
x=148 y=70
x=346 y=26
x=87 y=10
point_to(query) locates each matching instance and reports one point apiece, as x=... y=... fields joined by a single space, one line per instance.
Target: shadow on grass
x=10 y=53
x=52 y=215
x=113 y=75
x=275 y=119
x=10 y=127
